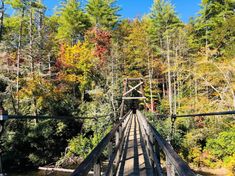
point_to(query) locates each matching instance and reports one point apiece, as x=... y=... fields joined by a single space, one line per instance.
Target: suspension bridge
x=133 y=146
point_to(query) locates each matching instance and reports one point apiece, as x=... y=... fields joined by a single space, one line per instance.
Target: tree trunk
x=112 y=92
x=18 y=58
x=2 y=19
x=31 y=40
x=175 y=80
x=169 y=73
x=49 y=64
x=150 y=84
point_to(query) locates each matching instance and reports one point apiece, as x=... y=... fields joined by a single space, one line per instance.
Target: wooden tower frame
x=131 y=85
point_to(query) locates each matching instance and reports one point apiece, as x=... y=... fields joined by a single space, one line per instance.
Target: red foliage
x=102 y=41
x=200 y=122
x=60 y=61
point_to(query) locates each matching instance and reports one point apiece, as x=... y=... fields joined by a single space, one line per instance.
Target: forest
x=73 y=63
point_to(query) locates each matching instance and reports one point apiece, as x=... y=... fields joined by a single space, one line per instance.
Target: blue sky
x=137 y=8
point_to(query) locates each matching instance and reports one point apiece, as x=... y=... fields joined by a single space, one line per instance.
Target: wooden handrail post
x=97 y=168
x=120 y=129
x=151 y=143
x=157 y=166
x=169 y=168
x=3 y=118
x=110 y=151
x=117 y=139
x=157 y=151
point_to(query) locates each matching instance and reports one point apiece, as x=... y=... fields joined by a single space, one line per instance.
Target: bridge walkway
x=134 y=160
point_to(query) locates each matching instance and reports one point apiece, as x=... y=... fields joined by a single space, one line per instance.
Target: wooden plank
x=110 y=151
x=134 y=79
x=56 y=169
x=170 y=170
x=134 y=159
x=133 y=98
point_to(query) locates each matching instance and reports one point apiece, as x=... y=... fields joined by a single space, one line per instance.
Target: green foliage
x=35 y=145
x=137 y=48
x=214 y=18
x=16 y=3
x=103 y=13
x=164 y=18
x=73 y=22
x=80 y=146
x=223 y=145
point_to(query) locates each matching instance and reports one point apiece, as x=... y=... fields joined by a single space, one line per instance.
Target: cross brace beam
x=133 y=88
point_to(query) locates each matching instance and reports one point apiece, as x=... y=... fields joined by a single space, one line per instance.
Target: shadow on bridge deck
x=134 y=160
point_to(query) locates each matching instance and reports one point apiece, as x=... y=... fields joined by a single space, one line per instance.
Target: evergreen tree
x=164 y=23
x=163 y=18
x=213 y=19
x=73 y=22
x=103 y=13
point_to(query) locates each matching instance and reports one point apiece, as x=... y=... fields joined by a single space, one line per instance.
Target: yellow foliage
x=230 y=164
x=35 y=87
x=79 y=61
x=80 y=57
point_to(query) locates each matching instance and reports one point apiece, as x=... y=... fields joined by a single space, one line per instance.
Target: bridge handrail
x=207 y=114
x=152 y=149
x=181 y=167
x=42 y=117
x=118 y=148
x=5 y=116
x=195 y=115
x=84 y=168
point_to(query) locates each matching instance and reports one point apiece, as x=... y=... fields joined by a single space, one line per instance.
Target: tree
x=214 y=16
x=101 y=40
x=78 y=63
x=164 y=22
x=103 y=13
x=21 y=6
x=73 y=22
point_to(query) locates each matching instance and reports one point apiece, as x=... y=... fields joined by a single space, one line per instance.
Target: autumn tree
x=164 y=22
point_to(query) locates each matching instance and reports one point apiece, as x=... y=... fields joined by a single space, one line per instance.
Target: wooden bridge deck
x=137 y=144
x=134 y=160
